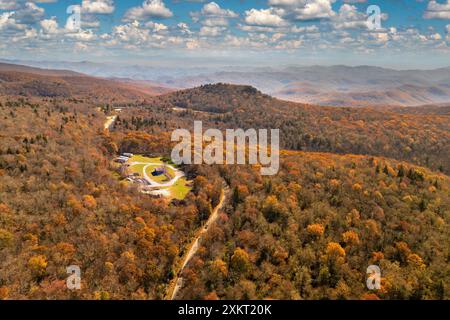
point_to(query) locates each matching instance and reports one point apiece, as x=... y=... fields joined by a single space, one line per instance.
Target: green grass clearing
x=138 y=158
x=138 y=168
x=178 y=191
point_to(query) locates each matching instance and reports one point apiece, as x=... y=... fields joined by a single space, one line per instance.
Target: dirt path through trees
x=177 y=283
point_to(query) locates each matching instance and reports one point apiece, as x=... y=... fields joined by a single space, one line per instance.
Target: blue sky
x=413 y=33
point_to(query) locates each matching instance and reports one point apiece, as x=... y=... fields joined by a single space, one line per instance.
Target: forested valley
x=356 y=187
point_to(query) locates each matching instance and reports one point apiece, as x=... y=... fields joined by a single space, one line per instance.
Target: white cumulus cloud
x=264 y=17
x=98 y=6
x=436 y=10
x=149 y=9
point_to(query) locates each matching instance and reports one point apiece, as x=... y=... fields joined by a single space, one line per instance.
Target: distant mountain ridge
x=341 y=85
x=360 y=86
x=7 y=67
x=338 y=85
x=19 y=80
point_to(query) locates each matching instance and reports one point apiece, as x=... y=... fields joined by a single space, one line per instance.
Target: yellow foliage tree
x=415 y=260
x=73 y=203
x=350 y=238
x=89 y=202
x=315 y=230
x=6 y=238
x=240 y=260
x=334 y=250
x=38 y=265
x=219 y=268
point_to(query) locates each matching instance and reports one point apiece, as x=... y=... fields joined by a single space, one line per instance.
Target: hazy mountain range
x=18 y=80
x=322 y=85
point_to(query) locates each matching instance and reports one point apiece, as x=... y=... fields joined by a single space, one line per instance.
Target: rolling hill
x=423 y=139
x=16 y=80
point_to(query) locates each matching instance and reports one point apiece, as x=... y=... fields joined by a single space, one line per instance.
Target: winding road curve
x=177 y=282
x=178 y=174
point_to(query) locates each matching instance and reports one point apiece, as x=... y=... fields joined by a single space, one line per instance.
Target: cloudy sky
x=413 y=33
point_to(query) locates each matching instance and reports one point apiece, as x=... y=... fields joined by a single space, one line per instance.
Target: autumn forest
x=356 y=187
